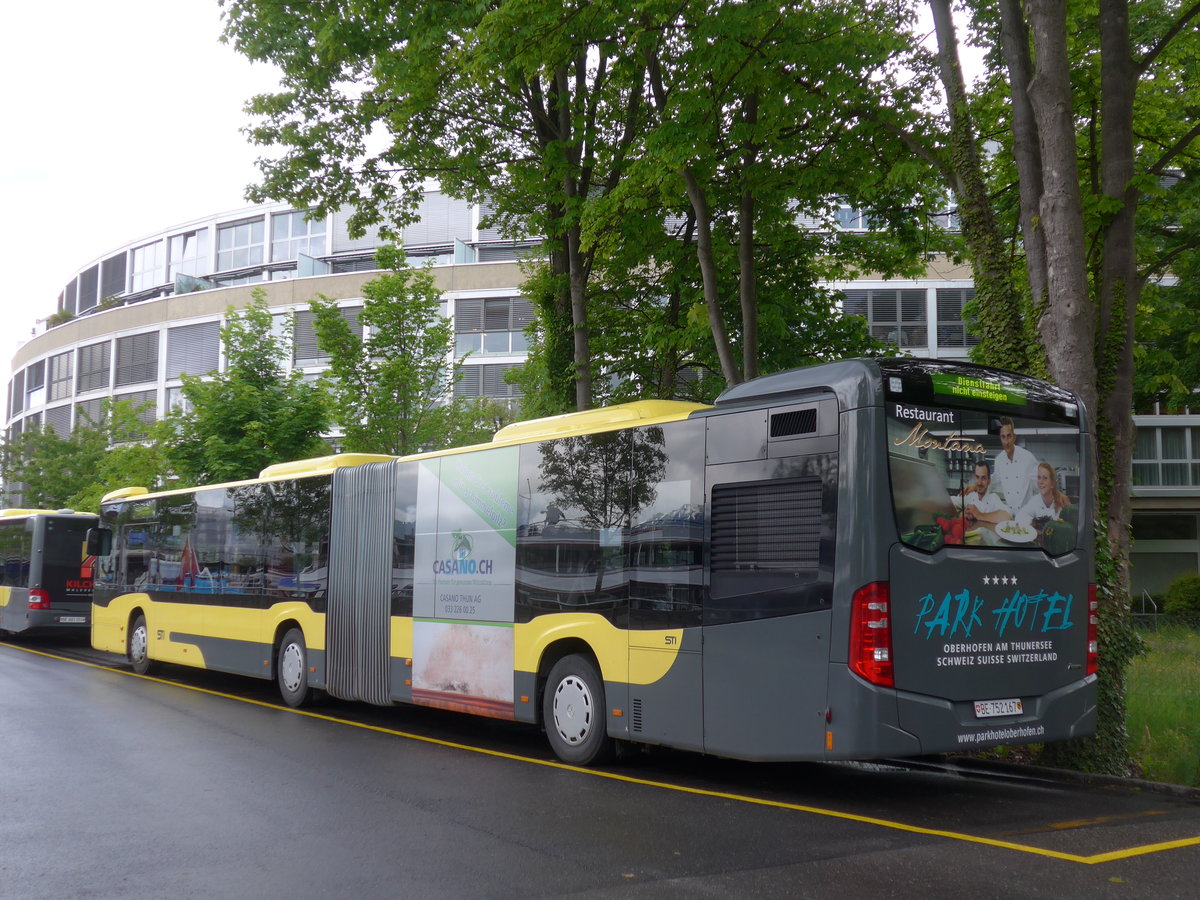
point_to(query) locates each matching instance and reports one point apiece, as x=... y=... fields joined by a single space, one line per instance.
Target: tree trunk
x=998 y=307
x=1068 y=323
x=747 y=280
x=1014 y=42
x=708 y=273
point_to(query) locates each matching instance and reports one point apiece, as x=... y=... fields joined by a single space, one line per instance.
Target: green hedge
x=1183 y=597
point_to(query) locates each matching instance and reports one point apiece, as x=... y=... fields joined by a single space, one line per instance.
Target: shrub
x=1183 y=596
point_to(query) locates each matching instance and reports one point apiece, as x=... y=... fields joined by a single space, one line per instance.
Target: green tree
x=77 y=469
x=249 y=416
x=392 y=390
x=766 y=113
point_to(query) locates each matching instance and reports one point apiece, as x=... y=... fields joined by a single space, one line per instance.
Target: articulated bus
x=46 y=585
x=861 y=559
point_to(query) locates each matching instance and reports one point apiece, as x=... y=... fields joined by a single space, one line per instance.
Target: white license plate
x=986 y=709
x=72 y=620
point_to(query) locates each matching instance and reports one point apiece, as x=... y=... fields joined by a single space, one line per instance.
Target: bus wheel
x=574 y=712
x=291 y=669
x=138 y=651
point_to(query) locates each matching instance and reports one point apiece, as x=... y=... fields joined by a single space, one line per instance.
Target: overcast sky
x=122 y=119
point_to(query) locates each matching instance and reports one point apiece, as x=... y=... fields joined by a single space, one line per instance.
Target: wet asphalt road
x=198 y=785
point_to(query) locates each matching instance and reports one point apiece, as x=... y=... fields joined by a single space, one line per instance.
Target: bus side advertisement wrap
x=463 y=591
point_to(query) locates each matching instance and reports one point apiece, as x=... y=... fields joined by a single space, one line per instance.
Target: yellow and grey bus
x=844 y=561
x=46 y=585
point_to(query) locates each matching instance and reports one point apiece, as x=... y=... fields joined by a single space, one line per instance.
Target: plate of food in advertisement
x=1016 y=532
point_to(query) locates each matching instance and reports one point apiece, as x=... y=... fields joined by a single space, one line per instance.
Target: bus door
x=357 y=622
x=772 y=489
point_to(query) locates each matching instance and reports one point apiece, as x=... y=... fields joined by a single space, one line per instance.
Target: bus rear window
x=64 y=542
x=974 y=477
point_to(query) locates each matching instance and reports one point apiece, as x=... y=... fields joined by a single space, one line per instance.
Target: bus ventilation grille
x=637 y=715
x=796 y=421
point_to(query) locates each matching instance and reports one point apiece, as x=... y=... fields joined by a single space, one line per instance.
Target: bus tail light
x=39 y=599
x=1093 y=629
x=871 y=635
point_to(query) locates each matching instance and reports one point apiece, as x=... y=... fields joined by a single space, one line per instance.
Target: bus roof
x=23 y=513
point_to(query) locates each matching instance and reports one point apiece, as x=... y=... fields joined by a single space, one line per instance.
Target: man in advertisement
x=1016 y=468
x=979 y=505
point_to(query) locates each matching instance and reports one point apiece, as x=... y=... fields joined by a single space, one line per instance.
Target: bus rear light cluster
x=39 y=599
x=871 y=635
x=1093 y=632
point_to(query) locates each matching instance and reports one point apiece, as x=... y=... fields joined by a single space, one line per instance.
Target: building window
x=896 y=317
x=177 y=401
x=952 y=328
x=112 y=276
x=143 y=405
x=193 y=349
x=240 y=245
x=35 y=384
x=487 y=381
x=305 y=351
x=149 y=267
x=93 y=367
x=1167 y=456
x=188 y=254
x=137 y=358
x=491 y=325
x=292 y=234
x=850 y=219
x=16 y=399
x=89 y=284
x=59 y=418
x=89 y=413
x=60 y=375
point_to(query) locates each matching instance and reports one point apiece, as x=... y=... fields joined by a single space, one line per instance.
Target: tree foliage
x=392 y=391
x=251 y=415
x=593 y=125
x=77 y=469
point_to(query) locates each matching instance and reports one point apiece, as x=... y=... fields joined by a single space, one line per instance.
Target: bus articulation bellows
x=862 y=559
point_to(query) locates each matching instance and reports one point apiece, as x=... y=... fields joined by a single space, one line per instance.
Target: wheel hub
x=572 y=710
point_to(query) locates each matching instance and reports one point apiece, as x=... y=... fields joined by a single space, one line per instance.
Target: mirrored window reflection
x=149 y=267
x=188 y=254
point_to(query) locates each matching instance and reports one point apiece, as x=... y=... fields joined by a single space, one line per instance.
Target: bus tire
x=574 y=712
x=138 y=649
x=291 y=669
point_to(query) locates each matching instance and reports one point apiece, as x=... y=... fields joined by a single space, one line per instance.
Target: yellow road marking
x=1112 y=856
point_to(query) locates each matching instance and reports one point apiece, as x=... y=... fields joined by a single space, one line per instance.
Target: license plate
x=986 y=709
x=72 y=620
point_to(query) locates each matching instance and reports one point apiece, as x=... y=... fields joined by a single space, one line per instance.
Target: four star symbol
x=1000 y=579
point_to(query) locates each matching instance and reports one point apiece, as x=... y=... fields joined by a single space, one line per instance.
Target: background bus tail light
x=39 y=599
x=871 y=635
x=1093 y=629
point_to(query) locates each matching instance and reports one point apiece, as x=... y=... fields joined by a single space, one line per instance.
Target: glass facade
x=292 y=234
x=241 y=244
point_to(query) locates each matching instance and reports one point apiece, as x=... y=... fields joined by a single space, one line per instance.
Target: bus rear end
x=48 y=575
x=979 y=625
